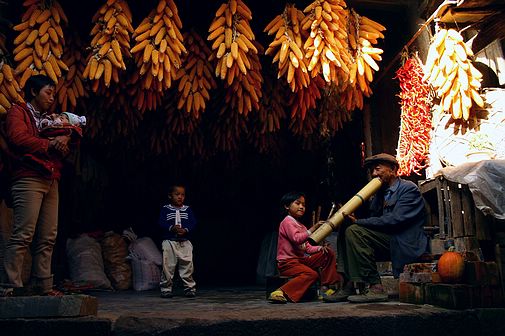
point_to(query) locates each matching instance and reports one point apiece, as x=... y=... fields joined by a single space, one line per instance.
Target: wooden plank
x=468 y=211
x=441 y=213
x=482 y=226
x=447 y=208
x=456 y=218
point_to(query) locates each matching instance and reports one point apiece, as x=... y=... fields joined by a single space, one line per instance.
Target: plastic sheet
x=486 y=181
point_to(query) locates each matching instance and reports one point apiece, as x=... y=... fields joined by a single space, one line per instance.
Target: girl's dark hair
x=36 y=83
x=289 y=198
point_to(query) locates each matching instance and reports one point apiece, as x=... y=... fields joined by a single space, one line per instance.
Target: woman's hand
x=60 y=143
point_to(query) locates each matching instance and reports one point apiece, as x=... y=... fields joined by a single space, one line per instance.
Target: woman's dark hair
x=36 y=83
x=289 y=198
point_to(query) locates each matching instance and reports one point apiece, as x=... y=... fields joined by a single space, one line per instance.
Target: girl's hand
x=326 y=248
x=316 y=226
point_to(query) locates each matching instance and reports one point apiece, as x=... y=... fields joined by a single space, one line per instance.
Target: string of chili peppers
x=415 y=126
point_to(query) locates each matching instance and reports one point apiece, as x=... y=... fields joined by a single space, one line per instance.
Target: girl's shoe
x=277 y=296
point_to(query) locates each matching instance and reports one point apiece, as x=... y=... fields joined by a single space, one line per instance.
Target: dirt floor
x=245 y=311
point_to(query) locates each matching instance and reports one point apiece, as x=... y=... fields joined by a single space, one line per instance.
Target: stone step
x=48 y=306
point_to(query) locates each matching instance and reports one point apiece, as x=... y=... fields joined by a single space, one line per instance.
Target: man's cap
x=381 y=158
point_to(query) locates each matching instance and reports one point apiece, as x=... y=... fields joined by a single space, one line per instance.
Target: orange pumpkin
x=451 y=266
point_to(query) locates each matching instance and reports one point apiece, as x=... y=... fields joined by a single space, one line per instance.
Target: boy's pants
x=177 y=253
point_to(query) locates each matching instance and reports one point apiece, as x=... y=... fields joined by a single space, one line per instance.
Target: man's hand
x=349 y=217
x=60 y=143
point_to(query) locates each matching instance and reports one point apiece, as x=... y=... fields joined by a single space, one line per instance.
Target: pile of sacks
x=114 y=261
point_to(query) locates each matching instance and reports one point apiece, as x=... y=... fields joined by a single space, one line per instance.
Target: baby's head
x=72 y=119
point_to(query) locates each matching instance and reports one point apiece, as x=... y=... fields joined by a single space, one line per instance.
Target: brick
x=412 y=293
x=419 y=268
x=437 y=246
x=435 y=277
x=451 y=296
x=391 y=285
x=416 y=277
x=476 y=273
x=493 y=273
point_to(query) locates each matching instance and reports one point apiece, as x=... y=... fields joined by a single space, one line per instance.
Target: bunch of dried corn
x=110 y=44
x=363 y=34
x=332 y=114
x=244 y=92
x=9 y=87
x=158 y=50
x=69 y=90
x=452 y=74
x=227 y=130
x=233 y=40
x=326 y=47
x=303 y=127
x=287 y=47
x=305 y=99
x=195 y=76
x=39 y=44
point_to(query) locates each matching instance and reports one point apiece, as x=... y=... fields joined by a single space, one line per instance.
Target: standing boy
x=177 y=222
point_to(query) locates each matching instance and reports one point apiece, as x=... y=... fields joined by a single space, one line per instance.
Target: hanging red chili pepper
x=415 y=125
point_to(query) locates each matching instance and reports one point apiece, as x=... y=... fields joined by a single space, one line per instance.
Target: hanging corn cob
x=415 y=126
x=305 y=99
x=452 y=74
x=267 y=122
x=158 y=50
x=121 y=119
x=244 y=92
x=333 y=113
x=39 y=44
x=287 y=47
x=326 y=47
x=228 y=129
x=271 y=110
x=71 y=88
x=363 y=34
x=232 y=36
x=110 y=44
x=9 y=87
x=195 y=76
x=303 y=127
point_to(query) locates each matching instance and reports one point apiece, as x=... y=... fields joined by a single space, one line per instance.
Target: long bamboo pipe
x=352 y=205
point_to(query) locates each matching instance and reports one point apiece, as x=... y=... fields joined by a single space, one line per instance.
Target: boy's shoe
x=339 y=296
x=166 y=294
x=374 y=293
x=190 y=293
x=277 y=296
